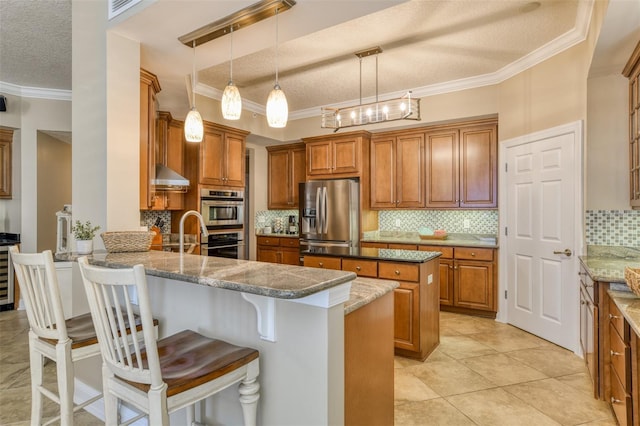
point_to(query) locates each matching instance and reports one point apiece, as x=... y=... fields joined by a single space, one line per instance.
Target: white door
x=543 y=233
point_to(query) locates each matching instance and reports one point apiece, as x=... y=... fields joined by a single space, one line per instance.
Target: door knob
x=566 y=252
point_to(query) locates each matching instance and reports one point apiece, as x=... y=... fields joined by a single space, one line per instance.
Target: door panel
x=383 y=174
x=442 y=168
x=410 y=171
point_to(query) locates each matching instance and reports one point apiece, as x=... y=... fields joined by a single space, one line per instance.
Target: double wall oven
x=223 y=214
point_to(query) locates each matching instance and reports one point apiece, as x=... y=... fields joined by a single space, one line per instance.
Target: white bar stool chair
x=163 y=375
x=50 y=335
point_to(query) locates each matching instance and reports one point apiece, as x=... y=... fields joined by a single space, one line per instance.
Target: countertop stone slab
x=365 y=291
x=411 y=256
x=262 y=278
x=607 y=263
x=629 y=305
x=459 y=240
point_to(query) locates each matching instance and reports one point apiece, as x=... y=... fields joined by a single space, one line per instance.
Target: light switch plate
x=429 y=278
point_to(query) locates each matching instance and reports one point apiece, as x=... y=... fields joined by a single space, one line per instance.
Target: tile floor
x=488 y=373
x=483 y=373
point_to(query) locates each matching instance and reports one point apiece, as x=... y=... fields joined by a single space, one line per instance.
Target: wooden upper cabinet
x=6 y=140
x=397 y=171
x=336 y=156
x=442 y=188
x=149 y=87
x=222 y=156
x=632 y=72
x=478 y=166
x=286 y=167
x=461 y=164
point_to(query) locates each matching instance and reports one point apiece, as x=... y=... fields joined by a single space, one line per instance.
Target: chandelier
x=402 y=108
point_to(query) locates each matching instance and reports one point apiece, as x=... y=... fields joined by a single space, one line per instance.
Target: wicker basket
x=125 y=241
x=632 y=277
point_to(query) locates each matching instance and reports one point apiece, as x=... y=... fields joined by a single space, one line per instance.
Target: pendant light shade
x=277 y=107
x=231 y=100
x=193 y=126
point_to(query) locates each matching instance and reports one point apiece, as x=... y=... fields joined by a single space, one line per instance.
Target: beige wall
x=54 y=187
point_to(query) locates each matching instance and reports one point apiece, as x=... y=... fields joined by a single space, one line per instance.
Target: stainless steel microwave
x=222 y=208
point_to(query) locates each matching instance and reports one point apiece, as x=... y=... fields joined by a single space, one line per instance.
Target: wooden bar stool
x=163 y=375
x=50 y=335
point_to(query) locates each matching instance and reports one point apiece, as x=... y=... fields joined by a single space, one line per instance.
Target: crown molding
x=35 y=92
x=213 y=93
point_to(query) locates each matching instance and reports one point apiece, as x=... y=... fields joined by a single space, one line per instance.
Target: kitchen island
x=294 y=316
x=416 y=300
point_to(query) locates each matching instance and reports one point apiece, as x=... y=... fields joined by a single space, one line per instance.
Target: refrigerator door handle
x=325 y=218
x=318 y=212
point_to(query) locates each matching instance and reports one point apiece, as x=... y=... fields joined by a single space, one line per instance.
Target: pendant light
x=231 y=100
x=193 y=127
x=277 y=108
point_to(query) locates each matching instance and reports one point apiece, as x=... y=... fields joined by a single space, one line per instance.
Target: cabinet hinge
x=506 y=167
x=505 y=294
x=506 y=231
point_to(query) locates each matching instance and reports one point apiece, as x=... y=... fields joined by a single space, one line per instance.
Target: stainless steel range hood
x=168 y=180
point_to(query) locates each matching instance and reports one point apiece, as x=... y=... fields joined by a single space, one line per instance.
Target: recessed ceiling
x=425 y=43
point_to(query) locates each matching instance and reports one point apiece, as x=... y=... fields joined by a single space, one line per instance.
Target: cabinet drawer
x=372 y=244
x=447 y=252
x=363 y=268
x=399 y=246
x=473 y=253
x=289 y=242
x=620 y=401
x=322 y=262
x=268 y=241
x=617 y=321
x=398 y=271
x=619 y=353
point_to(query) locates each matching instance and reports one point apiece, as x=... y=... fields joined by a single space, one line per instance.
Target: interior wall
x=54 y=187
x=258 y=187
x=607 y=171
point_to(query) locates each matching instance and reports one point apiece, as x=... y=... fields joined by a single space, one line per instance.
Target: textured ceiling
x=424 y=43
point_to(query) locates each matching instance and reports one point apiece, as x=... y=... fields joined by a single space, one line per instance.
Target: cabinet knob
x=358 y=268
x=320 y=264
x=615 y=401
x=397 y=272
x=473 y=254
x=582 y=302
x=455 y=267
x=588 y=285
x=614 y=353
x=611 y=316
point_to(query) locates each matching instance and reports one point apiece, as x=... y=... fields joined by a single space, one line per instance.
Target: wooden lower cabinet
x=283 y=250
x=368 y=347
x=416 y=301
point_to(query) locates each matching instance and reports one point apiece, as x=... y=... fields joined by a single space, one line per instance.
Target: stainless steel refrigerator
x=329 y=213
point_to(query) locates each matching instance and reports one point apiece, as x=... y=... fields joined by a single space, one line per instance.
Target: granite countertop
x=459 y=240
x=607 y=263
x=412 y=256
x=365 y=291
x=262 y=278
x=629 y=305
x=280 y=234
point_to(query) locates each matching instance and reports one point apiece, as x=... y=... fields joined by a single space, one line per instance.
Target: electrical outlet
x=398 y=223
x=466 y=224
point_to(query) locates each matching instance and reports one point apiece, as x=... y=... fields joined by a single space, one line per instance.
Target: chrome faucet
x=205 y=233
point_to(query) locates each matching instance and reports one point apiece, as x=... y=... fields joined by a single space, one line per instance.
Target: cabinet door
x=346 y=156
x=234 y=156
x=148 y=115
x=446 y=282
x=212 y=159
x=290 y=256
x=268 y=254
x=383 y=174
x=478 y=168
x=410 y=175
x=407 y=316
x=175 y=161
x=473 y=285
x=6 y=138
x=442 y=168
x=298 y=173
x=323 y=262
x=319 y=160
x=279 y=179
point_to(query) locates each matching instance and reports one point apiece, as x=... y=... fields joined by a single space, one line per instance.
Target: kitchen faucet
x=205 y=233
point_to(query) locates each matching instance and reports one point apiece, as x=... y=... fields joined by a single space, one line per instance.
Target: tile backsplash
x=265 y=217
x=452 y=221
x=148 y=218
x=613 y=227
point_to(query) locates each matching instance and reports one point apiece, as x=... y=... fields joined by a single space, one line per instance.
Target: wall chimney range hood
x=168 y=180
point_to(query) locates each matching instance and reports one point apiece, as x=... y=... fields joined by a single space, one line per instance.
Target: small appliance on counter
x=63 y=230
x=293 y=225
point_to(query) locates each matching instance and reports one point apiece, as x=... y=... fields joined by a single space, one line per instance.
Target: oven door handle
x=209 y=247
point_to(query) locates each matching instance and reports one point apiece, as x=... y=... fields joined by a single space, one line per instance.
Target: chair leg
x=191 y=414
x=158 y=413
x=36 y=361
x=111 y=415
x=64 y=369
x=249 y=400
